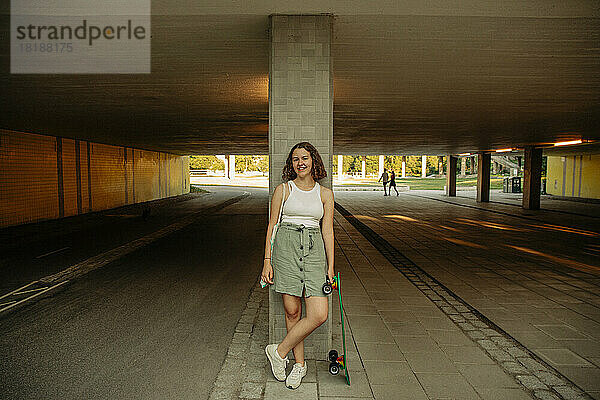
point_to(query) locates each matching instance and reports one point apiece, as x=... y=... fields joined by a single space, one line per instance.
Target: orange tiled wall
x=69 y=177
x=40 y=179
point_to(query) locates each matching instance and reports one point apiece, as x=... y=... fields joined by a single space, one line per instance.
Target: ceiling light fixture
x=464 y=154
x=503 y=150
x=568 y=142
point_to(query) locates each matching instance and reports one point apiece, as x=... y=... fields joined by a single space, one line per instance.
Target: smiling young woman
x=302 y=257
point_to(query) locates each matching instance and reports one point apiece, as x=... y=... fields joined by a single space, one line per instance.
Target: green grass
x=429 y=183
x=196 y=189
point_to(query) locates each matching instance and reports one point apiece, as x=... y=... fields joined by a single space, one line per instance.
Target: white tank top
x=303 y=207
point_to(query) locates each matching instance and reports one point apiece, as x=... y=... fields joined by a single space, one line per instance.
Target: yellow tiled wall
x=107 y=161
x=32 y=190
x=146 y=175
x=574 y=176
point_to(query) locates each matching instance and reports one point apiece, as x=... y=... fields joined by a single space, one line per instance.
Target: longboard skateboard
x=338 y=362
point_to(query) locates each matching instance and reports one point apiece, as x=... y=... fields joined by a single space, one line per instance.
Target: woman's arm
x=328 y=203
x=267 y=273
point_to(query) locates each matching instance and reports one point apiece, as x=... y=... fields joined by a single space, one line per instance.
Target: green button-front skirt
x=299 y=261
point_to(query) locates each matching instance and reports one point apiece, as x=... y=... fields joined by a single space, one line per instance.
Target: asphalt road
x=154 y=325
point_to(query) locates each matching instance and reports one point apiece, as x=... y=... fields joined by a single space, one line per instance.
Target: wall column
x=380 y=170
x=532 y=178
x=226 y=163
x=363 y=167
x=300 y=109
x=451 y=164
x=340 y=167
x=463 y=165
x=483 y=177
x=404 y=166
x=423 y=166
x=59 y=174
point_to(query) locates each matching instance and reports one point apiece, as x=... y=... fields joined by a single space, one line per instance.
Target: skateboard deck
x=339 y=362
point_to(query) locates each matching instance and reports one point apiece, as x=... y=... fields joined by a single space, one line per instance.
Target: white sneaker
x=278 y=364
x=295 y=377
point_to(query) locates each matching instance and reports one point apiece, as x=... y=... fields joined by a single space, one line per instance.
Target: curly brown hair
x=318 y=169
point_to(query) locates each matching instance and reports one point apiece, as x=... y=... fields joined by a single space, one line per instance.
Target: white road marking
x=32 y=296
x=52 y=252
x=29 y=291
x=17 y=290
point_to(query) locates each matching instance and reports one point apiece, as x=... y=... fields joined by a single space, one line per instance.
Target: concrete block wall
x=301 y=90
x=300 y=109
x=45 y=177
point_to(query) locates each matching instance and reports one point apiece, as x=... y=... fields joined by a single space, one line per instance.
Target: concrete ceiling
x=409 y=78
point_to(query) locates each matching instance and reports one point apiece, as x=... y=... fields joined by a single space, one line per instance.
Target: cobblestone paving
x=242 y=375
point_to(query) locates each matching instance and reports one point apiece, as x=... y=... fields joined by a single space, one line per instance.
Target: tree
x=413 y=165
x=372 y=165
x=356 y=164
x=206 y=162
x=252 y=163
x=393 y=163
x=263 y=164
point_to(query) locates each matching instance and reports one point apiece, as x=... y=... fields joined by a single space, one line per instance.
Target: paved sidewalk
x=431 y=335
x=547 y=202
x=400 y=345
x=538 y=281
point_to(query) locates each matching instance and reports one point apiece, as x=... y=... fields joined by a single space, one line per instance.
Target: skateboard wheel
x=327 y=288
x=334 y=368
x=333 y=355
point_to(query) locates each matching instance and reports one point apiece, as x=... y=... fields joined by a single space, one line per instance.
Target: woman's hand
x=267 y=272
x=330 y=274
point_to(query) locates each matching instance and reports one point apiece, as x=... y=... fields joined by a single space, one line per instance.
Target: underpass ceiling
x=409 y=80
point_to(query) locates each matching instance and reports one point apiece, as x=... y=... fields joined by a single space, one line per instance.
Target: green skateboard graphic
x=338 y=362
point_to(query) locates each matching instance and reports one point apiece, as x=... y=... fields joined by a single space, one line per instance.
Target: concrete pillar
x=363 y=167
x=494 y=167
x=423 y=166
x=380 y=170
x=451 y=164
x=231 y=166
x=340 y=167
x=483 y=177
x=226 y=162
x=532 y=178
x=440 y=165
x=404 y=166
x=463 y=165
x=300 y=109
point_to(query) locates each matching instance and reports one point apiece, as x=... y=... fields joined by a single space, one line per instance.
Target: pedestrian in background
x=393 y=183
x=385 y=178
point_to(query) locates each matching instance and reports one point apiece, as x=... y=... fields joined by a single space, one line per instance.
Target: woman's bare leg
x=316 y=315
x=293 y=312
